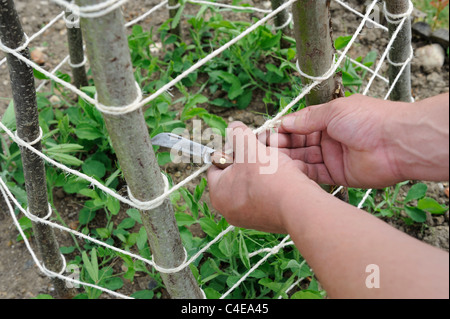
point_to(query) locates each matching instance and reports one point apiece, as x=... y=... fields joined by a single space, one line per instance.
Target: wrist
x=417 y=139
x=298 y=200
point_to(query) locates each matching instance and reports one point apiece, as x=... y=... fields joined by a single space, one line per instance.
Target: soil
x=20 y=278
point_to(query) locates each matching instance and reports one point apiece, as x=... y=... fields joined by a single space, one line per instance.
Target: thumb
x=308 y=120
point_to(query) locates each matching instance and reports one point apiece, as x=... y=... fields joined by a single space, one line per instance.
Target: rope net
x=110 y=5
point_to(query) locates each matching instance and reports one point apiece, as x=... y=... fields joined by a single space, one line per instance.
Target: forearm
x=418 y=135
x=339 y=241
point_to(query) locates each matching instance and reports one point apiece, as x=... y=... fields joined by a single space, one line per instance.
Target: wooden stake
x=316 y=54
x=76 y=52
x=400 y=52
x=109 y=57
x=27 y=121
x=315 y=48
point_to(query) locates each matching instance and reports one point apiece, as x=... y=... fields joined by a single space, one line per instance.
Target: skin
x=355 y=142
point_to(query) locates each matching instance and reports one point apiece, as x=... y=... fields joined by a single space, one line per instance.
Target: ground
x=19 y=277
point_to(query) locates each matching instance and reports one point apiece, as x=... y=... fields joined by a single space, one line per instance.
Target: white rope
x=92 y=11
x=50 y=273
x=228 y=6
x=284 y=25
x=149 y=205
x=120 y=110
x=321 y=78
x=399 y=64
x=35 y=218
x=36 y=140
x=78 y=65
x=395 y=18
x=174 y=7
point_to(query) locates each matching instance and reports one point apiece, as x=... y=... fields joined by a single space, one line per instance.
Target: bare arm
x=339 y=242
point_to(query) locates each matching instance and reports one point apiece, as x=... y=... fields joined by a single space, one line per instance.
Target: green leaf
x=94 y=168
x=113 y=205
x=199 y=189
x=306 y=294
x=243 y=101
x=85 y=216
x=194 y=100
x=222 y=103
x=74 y=185
x=243 y=252
x=90 y=266
x=272 y=68
x=126 y=223
x=113 y=283
x=67 y=250
x=290 y=54
x=134 y=214
x=43 y=296
x=236 y=88
x=341 y=42
x=416 y=214
x=163 y=158
x=370 y=58
x=66 y=159
x=40 y=76
x=88 y=132
x=417 y=191
x=270 y=41
x=215 y=121
x=211 y=293
x=194 y=112
x=432 y=206
x=143 y=294
x=209 y=227
x=142 y=238
x=9 y=117
x=103 y=232
x=64 y=148
x=184 y=219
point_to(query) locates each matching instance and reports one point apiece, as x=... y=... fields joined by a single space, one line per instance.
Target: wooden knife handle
x=221 y=160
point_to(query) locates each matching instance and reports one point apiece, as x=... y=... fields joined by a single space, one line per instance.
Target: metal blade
x=182 y=144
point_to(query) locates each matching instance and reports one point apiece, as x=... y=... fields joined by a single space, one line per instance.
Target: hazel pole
x=400 y=51
x=27 y=125
x=110 y=61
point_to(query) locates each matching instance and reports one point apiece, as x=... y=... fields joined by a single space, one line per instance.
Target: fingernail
x=288 y=122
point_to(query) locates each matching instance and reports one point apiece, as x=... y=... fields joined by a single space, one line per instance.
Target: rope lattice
x=95 y=11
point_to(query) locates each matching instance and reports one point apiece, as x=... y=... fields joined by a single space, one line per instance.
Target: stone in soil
x=430 y=57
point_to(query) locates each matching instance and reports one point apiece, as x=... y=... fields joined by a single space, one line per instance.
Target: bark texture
x=315 y=54
x=400 y=52
x=110 y=61
x=25 y=107
x=281 y=19
x=76 y=52
x=315 y=47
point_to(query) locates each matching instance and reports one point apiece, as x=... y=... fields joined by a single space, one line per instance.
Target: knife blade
x=186 y=146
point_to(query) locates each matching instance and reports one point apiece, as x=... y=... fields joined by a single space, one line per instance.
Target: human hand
x=344 y=142
x=251 y=192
